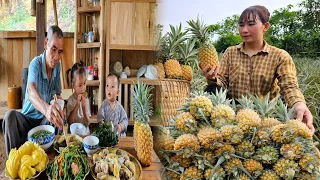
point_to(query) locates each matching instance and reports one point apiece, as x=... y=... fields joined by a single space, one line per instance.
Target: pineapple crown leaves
x=175 y=37
x=188 y=52
x=263 y=106
x=245 y=103
x=283 y=114
x=199 y=31
x=220 y=97
x=142 y=104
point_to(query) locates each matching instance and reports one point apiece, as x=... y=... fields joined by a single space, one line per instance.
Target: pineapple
x=162 y=53
x=267 y=155
x=222 y=114
x=187 y=141
x=282 y=134
x=173 y=69
x=208 y=156
x=310 y=163
x=286 y=133
x=300 y=129
x=172 y=66
x=173 y=176
x=186 y=123
x=244 y=177
x=188 y=58
x=307 y=176
x=187 y=72
x=293 y=151
x=198 y=104
x=192 y=173
x=225 y=149
x=166 y=142
x=262 y=138
x=142 y=131
x=286 y=168
x=247 y=117
x=210 y=138
x=232 y=165
x=231 y=134
x=269 y=175
x=207 y=53
x=184 y=162
x=245 y=149
x=253 y=167
x=218 y=175
x=268 y=123
x=160 y=70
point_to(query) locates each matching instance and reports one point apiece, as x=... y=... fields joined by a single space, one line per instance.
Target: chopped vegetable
x=41 y=134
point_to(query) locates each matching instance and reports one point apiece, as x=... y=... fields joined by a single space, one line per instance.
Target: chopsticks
x=65 y=124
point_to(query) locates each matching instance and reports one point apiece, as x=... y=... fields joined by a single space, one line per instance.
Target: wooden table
x=152 y=172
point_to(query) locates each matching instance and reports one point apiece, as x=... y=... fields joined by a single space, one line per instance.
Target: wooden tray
x=138 y=175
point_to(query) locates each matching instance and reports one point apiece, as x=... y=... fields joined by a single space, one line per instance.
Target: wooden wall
x=17 y=49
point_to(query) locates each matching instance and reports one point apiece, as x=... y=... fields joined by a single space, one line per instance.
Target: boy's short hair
x=118 y=79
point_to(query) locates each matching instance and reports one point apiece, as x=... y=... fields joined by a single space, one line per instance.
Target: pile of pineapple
x=180 y=54
x=213 y=138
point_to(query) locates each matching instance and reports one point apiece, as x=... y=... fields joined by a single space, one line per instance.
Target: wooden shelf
x=93 y=83
x=155 y=82
x=89 y=9
x=134 y=80
x=133 y=47
x=89 y=45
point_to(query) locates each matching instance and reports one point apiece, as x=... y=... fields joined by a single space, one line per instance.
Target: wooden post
x=40 y=26
x=55 y=12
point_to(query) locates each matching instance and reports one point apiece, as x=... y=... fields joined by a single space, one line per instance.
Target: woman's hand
x=210 y=74
x=303 y=114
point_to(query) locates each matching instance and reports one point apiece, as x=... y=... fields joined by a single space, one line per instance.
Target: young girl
x=255 y=67
x=78 y=105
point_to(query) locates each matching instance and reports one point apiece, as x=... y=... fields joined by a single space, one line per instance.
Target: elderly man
x=43 y=83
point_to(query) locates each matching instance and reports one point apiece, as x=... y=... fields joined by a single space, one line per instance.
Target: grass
x=308 y=72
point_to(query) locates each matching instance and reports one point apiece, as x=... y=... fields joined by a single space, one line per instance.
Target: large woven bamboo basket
x=171 y=95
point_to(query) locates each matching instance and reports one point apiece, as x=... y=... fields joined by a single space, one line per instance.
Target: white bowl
x=90 y=144
x=46 y=142
x=59 y=101
x=78 y=129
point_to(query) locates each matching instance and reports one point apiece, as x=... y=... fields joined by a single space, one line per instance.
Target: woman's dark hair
x=76 y=70
x=260 y=11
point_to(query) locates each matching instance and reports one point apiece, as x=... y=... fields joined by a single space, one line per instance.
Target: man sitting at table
x=43 y=83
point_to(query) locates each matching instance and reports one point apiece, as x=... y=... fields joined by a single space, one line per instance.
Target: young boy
x=111 y=109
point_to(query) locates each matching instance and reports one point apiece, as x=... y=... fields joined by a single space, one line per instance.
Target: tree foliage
x=17 y=15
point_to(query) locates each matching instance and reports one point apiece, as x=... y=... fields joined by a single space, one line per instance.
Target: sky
x=212 y=11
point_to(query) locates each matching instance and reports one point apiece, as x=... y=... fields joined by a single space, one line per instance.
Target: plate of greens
x=107 y=138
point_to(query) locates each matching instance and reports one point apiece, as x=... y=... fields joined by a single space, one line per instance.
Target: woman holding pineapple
x=255 y=67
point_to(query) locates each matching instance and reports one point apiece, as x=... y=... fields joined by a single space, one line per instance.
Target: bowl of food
x=42 y=135
x=90 y=144
x=78 y=129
